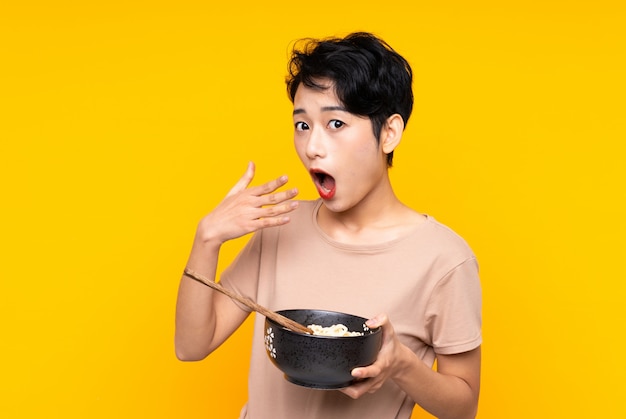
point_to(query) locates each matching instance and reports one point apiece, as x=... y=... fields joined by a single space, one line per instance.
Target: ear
x=391 y=133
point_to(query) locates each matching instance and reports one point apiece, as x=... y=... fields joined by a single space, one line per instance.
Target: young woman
x=357 y=249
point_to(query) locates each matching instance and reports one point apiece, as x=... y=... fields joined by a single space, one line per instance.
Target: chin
x=336 y=206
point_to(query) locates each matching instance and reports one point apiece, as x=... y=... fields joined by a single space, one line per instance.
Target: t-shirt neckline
x=362 y=247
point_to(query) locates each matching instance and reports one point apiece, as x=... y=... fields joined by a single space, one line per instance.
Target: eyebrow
x=324 y=109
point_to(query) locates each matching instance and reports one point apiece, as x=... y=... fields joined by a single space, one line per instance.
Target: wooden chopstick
x=278 y=318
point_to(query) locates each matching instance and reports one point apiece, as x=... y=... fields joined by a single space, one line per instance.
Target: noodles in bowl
x=325 y=359
x=334 y=330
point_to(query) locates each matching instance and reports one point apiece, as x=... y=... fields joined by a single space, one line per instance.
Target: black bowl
x=322 y=362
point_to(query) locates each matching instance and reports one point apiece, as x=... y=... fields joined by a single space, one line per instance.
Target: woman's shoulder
x=444 y=237
x=300 y=220
x=305 y=211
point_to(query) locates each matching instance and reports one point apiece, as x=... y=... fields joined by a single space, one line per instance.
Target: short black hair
x=369 y=77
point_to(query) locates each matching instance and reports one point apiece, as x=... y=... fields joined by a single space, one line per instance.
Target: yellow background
x=122 y=123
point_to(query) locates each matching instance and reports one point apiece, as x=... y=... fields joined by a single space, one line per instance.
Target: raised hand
x=247 y=209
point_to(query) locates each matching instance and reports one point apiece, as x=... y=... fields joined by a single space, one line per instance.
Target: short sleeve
x=454 y=310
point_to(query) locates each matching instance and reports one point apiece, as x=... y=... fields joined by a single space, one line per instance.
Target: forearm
x=444 y=395
x=195 y=318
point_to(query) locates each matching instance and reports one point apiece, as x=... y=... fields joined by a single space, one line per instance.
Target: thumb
x=377 y=321
x=244 y=181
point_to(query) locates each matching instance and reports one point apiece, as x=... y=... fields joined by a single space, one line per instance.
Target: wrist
x=205 y=249
x=203 y=255
x=405 y=363
x=207 y=235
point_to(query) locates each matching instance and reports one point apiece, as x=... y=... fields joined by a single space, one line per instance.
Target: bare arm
x=451 y=392
x=205 y=318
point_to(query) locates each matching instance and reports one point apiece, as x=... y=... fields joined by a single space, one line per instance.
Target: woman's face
x=337 y=148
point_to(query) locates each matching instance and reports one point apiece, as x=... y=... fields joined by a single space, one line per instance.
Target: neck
x=378 y=218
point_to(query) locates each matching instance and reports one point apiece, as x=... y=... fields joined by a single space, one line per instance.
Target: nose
x=315 y=144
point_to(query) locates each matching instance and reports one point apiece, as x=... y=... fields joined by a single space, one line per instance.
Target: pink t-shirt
x=426 y=282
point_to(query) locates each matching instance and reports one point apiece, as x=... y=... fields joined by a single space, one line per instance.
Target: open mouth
x=325 y=184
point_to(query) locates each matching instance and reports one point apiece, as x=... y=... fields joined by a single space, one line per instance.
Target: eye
x=335 y=124
x=301 y=126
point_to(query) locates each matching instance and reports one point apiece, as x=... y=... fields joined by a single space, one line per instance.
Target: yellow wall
x=122 y=123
